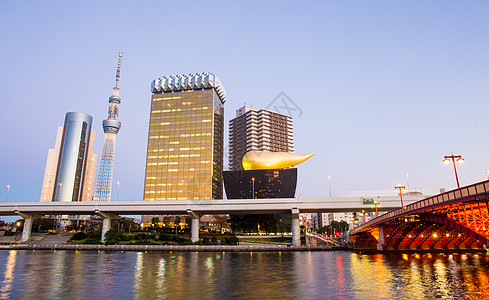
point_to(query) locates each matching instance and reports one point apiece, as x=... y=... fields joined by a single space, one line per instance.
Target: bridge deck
x=473 y=191
x=238 y=206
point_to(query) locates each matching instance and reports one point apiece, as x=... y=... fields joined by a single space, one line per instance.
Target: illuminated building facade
x=185 y=142
x=70 y=166
x=258 y=130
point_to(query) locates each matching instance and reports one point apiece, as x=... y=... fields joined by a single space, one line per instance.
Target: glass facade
x=258 y=184
x=73 y=156
x=185 y=146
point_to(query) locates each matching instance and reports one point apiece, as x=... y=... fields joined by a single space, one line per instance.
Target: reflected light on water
x=235 y=275
x=8 y=276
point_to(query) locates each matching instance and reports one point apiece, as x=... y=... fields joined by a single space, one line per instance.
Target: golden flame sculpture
x=260 y=160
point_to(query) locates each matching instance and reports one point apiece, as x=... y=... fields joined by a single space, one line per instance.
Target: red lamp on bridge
x=460 y=160
x=400 y=188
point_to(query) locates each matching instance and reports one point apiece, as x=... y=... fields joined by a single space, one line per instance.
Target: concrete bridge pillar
x=296 y=228
x=380 y=244
x=106 y=223
x=28 y=220
x=195 y=225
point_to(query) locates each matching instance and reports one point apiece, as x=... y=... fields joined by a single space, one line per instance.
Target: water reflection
x=8 y=276
x=256 y=275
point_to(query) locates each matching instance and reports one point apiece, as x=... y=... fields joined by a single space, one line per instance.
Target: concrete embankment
x=176 y=248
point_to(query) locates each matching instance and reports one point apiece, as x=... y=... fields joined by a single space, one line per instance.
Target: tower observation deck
x=111 y=127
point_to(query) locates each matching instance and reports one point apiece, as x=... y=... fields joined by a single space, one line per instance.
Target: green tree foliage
x=113 y=236
x=79 y=236
x=253 y=223
x=155 y=222
x=334 y=227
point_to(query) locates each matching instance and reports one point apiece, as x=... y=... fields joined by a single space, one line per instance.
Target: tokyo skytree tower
x=111 y=128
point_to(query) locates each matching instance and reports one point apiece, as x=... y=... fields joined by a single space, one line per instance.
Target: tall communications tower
x=111 y=128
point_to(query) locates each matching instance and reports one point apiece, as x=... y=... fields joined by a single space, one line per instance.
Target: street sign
x=368 y=201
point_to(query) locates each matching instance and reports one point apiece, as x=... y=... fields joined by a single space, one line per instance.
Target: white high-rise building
x=258 y=130
x=111 y=128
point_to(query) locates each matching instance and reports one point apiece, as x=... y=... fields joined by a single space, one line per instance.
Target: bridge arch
x=430 y=231
x=457 y=226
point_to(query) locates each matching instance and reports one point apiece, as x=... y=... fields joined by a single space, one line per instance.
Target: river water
x=247 y=275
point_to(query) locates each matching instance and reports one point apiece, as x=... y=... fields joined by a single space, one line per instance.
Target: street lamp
x=8 y=190
x=448 y=158
x=329 y=180
x=59 y=191
x=376 y=204
x=363 y=215
x=253 y=183
x=118 y=185
x=400 y=188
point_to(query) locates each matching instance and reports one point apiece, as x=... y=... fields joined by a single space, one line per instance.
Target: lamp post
x=400 y=188
x=59 y=191
x=118 y=185
x=448 y=158
x=376 y=204
x=407 y=181
x=329 y=180
x=253 y=183
x=8 y=190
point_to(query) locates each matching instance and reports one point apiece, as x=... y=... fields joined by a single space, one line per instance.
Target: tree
x=251 y=223
x=221 y=222
x=155 y=222
x=113 y=236
x=177 y=222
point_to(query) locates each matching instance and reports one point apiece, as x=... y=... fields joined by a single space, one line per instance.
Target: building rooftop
x=188 y=82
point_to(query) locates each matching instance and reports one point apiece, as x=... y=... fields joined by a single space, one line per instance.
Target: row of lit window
x=163 y=184
x=166 y=113
x=181 y=149
x=176 y=98
x=189 y=121
x=174 y=156
x=174 y=170
x=179 y=156
x=166 y=98
x=163 y=192
x=181 y=135
x=152 y=172
x=173 y=198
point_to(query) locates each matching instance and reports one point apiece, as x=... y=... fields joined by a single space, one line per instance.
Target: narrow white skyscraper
x=111 y=128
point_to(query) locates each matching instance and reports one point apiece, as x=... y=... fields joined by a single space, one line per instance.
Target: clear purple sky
x=385 y=87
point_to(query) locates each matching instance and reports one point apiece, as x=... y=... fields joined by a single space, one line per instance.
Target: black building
x=272 y=183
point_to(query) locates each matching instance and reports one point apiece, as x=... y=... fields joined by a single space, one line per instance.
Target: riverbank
x=167 y=248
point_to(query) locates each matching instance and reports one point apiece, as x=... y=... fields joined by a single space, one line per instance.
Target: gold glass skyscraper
x=184 y=160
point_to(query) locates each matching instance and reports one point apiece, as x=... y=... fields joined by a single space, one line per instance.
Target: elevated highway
x=195 y=208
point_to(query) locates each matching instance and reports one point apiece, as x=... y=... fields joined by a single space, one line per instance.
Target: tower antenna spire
x=111 y=127
x=118 y=74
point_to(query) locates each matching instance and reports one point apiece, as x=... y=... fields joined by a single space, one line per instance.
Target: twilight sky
x=380 y=88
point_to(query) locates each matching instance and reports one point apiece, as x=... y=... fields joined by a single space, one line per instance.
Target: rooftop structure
x=188 y=82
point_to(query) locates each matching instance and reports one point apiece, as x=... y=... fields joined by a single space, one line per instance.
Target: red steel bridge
x=457 y=219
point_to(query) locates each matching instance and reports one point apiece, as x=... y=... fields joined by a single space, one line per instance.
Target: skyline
x=394 y=87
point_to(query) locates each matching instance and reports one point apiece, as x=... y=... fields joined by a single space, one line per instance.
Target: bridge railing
x=476 y=189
